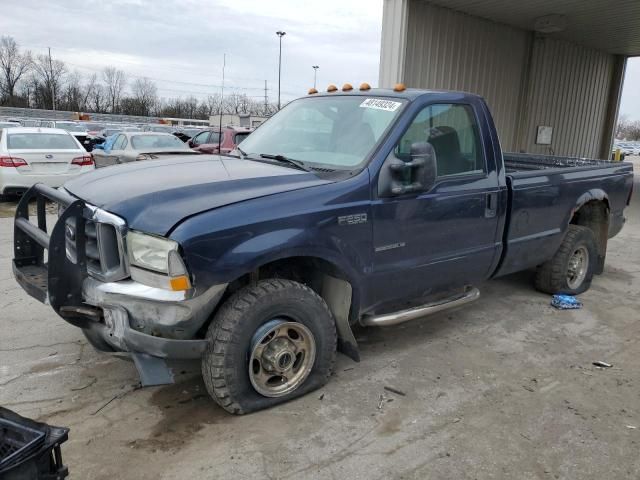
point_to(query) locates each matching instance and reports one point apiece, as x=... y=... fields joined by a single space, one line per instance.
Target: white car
x=39 y=155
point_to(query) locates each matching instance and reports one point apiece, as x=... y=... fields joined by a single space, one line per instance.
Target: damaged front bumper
x=142 y=319
x=150 y=323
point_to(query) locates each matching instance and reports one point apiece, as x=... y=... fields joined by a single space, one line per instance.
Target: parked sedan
x=136 y=146
x=39 y=155
x=207 y=140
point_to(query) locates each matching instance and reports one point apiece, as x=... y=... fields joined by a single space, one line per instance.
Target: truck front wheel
x=270 y=342
x=570 y=271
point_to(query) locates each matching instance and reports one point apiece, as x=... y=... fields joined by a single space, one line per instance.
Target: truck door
x=445 y=235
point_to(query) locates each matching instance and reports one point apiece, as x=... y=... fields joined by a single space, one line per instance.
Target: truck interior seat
x=449 y=157
x=359 y=142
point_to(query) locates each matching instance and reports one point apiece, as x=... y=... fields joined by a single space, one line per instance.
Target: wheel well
x=307 y=270
x=323 y=277
x=595 y=216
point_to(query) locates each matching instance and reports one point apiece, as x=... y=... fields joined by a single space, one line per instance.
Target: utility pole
x=224 y=64
x=315 y=71
x=53 y=87
x=280 y=35
x=266 y=105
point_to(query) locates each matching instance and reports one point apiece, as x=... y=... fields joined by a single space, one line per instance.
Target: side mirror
x=417 y=174
x=423 y=153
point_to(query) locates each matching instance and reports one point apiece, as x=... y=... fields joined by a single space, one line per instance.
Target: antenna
x=224 y=64
x=53 y=86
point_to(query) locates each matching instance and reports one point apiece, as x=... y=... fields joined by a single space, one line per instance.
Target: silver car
x=136 y=146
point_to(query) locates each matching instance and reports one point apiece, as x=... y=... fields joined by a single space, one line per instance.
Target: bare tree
x=87 y=92
x=145 y=95
x=213 y=104
x=628 y=129
x=13 y=65
x=115 y=83
x=72 y=93
x=49 y=74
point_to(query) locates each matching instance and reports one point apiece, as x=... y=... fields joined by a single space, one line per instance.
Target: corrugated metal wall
x=394 y=36
x=569 y=91
x=453 y=51
x=526 y=80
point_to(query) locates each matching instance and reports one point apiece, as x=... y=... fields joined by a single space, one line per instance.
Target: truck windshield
x=339 y=131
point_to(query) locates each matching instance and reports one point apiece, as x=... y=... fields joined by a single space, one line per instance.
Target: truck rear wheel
x=570 y=271
x=269 y=343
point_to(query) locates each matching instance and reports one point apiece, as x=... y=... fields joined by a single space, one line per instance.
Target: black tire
x=226 y=360
x=552 y=276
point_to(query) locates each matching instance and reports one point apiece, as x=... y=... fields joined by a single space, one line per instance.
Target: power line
x=181 y=69
x=176 y=67
x=179 y=82
x=204 y=85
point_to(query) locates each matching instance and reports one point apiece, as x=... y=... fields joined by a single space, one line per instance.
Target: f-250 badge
x=354 y=219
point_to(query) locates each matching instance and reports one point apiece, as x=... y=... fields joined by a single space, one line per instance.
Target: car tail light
x=12 y=162
x=83 y=161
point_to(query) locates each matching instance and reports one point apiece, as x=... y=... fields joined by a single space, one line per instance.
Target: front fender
x=268 y=247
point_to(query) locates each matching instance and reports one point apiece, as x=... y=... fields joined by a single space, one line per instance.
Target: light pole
x=280 y=35
x=315 y=71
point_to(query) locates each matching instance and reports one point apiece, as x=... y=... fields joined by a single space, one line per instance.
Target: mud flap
x=152 y=370
x=337 y=293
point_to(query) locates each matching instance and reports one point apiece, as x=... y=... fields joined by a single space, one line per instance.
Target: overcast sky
x=180 y=43
x=630 y=103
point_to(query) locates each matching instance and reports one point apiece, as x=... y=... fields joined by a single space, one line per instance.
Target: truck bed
x=544 y=191
x=521 y=163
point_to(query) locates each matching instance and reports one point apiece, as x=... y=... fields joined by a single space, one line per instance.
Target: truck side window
x=453 y=132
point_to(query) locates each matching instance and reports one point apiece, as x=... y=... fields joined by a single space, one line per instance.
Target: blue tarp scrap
x=565 y=302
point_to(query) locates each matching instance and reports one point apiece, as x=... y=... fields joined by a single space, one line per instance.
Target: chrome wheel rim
x=577 y=267
x=282 y=356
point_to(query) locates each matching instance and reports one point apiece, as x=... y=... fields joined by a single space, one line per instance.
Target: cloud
x=180 y=44
x=630 y=102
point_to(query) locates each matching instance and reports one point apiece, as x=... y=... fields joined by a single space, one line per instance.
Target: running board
x=412 y=313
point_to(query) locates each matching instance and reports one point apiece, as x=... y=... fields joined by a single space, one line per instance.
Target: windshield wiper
x=281 y=158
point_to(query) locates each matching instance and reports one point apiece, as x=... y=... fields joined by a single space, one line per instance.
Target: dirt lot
x=504 y=388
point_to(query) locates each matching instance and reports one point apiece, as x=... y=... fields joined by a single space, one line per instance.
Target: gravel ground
x=503 y=388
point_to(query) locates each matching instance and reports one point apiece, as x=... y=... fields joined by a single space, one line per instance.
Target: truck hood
x=155 y=195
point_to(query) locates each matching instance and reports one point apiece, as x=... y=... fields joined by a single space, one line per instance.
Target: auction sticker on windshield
x=378 y=104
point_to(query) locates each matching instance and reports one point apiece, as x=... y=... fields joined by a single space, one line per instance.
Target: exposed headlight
x=159 y=262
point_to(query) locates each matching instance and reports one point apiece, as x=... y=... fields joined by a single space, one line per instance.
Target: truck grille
x=104 y=247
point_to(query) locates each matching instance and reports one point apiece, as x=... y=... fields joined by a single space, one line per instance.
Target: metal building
x=551 y=70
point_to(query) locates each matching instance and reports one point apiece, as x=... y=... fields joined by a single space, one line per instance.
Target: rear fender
x=594 y=219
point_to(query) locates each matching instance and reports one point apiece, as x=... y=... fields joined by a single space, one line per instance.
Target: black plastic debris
x=30 y=450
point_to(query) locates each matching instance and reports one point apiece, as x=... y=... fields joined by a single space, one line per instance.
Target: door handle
x=491 y=206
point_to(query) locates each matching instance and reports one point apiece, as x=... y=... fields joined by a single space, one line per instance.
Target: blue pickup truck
x=356 y=207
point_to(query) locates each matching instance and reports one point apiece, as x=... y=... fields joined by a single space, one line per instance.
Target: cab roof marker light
x=365 y=86
x=347 y=87
x=312 y=91
x=399 y=87
x=332 y=88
